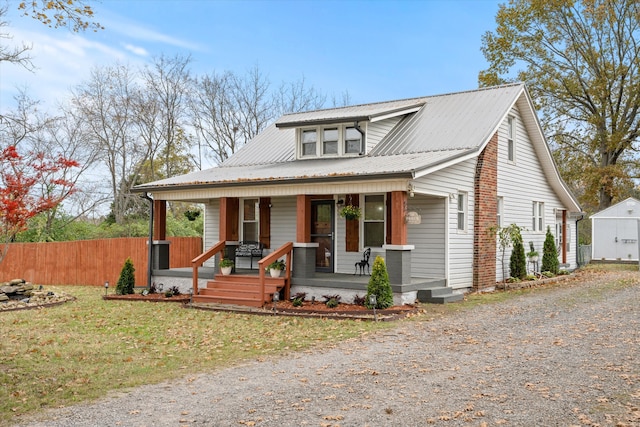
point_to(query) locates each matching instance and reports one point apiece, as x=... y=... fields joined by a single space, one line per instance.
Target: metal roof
x=435 y=131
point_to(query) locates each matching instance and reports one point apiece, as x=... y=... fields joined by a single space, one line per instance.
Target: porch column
x=304 y=252
x=160 y=254
x=303 y=219
x=159 y=220
x=398 y=226
x=398 y=259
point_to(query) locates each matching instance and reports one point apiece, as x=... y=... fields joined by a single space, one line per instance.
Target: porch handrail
x=200 y=259
x=285 y=249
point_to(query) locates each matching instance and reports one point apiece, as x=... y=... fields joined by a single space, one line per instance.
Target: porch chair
x=364 y=262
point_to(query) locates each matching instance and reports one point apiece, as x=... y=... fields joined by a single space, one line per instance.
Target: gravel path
x=561 y=357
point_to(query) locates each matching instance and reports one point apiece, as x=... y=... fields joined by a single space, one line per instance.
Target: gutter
x=252 y=183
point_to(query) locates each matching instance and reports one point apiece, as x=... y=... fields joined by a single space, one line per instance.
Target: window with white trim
x=500 y=208
x=250 y=219
x=511 y=133
x=309 y=140
x=373 y=223
x=538 y=216
x=462 y=211
x=330 y=141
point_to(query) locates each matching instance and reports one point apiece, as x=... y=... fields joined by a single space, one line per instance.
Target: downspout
x=578 y=240
x=145 y=195
x=359 y=129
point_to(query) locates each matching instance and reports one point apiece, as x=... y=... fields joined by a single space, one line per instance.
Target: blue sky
x=375 y=50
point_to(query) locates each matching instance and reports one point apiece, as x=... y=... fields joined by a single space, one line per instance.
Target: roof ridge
x=481 y=89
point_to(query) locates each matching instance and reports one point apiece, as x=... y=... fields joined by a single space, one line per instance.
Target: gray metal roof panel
x=308 y=169
x=463 y=120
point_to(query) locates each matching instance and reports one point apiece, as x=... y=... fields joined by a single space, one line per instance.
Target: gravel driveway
x=558 y=357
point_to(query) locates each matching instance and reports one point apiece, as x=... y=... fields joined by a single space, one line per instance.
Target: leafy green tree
x=126 y=281
x=517 y=261
x=506 y=236
x=379 y=285
x=581 y=62
x=550 y=253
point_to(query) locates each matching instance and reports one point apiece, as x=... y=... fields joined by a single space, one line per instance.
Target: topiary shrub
x=550 y=253
x=517 y=262
x=126 y=281
x=379 y=285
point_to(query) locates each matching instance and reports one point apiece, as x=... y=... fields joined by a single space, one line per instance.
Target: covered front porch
x=325 y=248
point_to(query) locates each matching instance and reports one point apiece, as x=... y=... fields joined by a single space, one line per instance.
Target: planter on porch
x=226 y=266
x=275 y=272
x=275 y=268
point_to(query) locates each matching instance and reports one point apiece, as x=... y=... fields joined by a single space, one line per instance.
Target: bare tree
x=106 y=104
x=296 y=97
x=163 y=114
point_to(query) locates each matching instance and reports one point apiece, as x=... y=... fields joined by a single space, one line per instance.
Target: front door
x=322 y=220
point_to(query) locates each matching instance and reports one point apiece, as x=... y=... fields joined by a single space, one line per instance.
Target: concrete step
x=222 y=299
x=439 y=295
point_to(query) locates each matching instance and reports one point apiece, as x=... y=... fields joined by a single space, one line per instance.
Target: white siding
x=428 y=259
x=283 y=221
x=211 y=227
x=520 y=183
x=378 y=130
x=451 y=181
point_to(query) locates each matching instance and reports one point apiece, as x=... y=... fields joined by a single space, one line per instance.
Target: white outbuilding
x=614 y=234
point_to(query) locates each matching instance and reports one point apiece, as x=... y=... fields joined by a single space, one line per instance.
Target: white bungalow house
x=433 y=177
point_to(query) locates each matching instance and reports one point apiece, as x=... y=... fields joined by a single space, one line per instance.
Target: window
x=250 y=219
x=309 y=138
x=374 y=227
x=500 y=208
x=538 y=216
x=330 y=141
x=462 y=211
x=511 y=131
x=352 y=141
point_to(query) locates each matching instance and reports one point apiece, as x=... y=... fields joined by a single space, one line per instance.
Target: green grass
x=82 y=350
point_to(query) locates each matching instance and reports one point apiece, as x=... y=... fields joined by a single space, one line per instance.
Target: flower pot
x=275 y=272
x=226 y=270
x=533 y=258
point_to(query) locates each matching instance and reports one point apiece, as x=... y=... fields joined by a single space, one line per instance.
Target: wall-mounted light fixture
x=410 y=190
x=452 y=196
x=340 y=202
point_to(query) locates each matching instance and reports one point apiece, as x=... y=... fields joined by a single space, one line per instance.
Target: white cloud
x=140 y=51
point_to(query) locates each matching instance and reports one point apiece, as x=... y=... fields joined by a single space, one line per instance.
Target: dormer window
x=309 y=139
x=330 y=141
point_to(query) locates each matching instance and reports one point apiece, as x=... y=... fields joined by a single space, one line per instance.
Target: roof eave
x=261 y=182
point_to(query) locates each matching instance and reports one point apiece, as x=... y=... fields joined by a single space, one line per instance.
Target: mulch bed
x=158 y=297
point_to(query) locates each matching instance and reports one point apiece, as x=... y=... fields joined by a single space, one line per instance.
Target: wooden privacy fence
x=89 y=262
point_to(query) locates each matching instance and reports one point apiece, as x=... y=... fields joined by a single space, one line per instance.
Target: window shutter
x=352 y=227
x=265 y=221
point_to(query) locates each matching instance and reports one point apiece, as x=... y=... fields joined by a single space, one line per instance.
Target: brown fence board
x=89 y=262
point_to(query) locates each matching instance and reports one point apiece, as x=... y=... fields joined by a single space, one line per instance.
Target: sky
x=375 y=50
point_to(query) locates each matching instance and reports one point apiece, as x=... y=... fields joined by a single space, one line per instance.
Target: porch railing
x=285 y=249
x=200 y=259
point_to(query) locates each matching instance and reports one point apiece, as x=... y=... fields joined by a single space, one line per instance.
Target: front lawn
x=81 y=350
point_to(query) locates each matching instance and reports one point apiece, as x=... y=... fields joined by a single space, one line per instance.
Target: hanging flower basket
x=350 y=212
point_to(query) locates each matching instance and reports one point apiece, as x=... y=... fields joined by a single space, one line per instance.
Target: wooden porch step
x=236 y=300
x=239 y=290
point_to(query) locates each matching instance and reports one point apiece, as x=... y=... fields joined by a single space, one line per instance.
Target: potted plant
x=226 y=265
x=532 y=254
x=275 y=268
x=350 y=212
